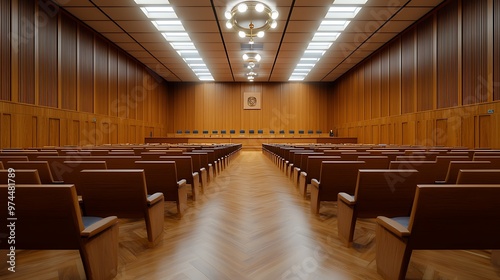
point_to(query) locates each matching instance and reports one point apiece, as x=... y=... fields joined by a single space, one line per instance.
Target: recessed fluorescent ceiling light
x=165 y=19
x=336 y=20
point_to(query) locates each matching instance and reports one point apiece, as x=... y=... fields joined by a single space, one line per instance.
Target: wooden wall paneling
x=484 y=131
x=447 y=56
x=189 y=108
x=395 y=78
x=209 y=105
x=68 y=62
x=85 y=69
x=405 y=134
x=375 y=134
x=5 y=50
x=198 y=109
x=496 y=50
x=54 y=132
x=132 y=102
x=104 y=135
x=74 y=138
x=113 y=135
x=302 y=110
x=34 y=131
x=6 y=135
x=475 y=52
x=361 y=94
x=101 y=77
x=271 y=107
x=367 y=99
x=47 y=58
x=132 y=134
x=323 y=110
x=425 y=65
x=348 y=92
x=122 y=102
x=441 y=132
x=384 y=134
x=221 y=107
x=376 y=85
x=408 y=72
x=25 y=51
x=180 y=106
x=140 y=92
x=384 y=82
x=250 y=118
x=149 y=96
x=368 y=134
x=113 y=80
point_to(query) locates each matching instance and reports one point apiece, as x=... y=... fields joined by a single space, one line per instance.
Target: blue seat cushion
x=89 y=220
x=404 y=221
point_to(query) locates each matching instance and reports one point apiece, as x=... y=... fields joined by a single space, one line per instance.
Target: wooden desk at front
x=249 y=142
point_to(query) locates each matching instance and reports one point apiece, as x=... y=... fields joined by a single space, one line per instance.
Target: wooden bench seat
x=49 y=218
x=161 y=176
x=184 y=165
x=386 y=192
x=443 y=217
x=123 y=193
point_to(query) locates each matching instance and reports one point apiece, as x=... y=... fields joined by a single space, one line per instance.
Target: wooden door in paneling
x=483 y=132
x=113 y=134
x=54 y=132
x=132 y=135
x=6 y=128
x=384 y=134
x=441 y=133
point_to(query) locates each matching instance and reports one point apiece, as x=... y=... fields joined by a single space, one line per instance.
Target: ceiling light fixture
x=252 y=57
x=251 y=18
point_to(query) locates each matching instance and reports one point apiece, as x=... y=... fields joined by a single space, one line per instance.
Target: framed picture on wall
x=252 y=100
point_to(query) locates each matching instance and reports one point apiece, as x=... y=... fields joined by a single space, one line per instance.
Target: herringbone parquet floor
x=251 y=223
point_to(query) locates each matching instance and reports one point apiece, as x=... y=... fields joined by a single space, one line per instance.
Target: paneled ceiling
x=122 y=22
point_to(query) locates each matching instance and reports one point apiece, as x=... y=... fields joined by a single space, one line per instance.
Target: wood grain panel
x=375 y=134
x=101 y=87
x=132 y=100
x=113 y=134
x=376 y=84
x=74 y=137
x=34 y=131
x=394 y=101
x=484 y=132
x=26 y=52
x=441 y=133
x=496 y=49
x=475 y=52
x=122 y=98
x=384 y=83
x=113 y=81
x=408 y=72
x=405 y=131
x=68 y=63
x=425 y=65
x=47 y=49
x=367 y=100
x=85 y=70
x=6 y=135
x=140 y=93
x=5 y=50
x=54 y=132
x=447 y=56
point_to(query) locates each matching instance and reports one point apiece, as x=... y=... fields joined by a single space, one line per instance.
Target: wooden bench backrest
x=455 y=217
x=314 y=166
x=4 y=159
x=443 y=163
x=48 y=217
x=392 y=155
x=338 y=176
x=184 y=165
x=428 y=173
x=71 y=173
x=119 y=192
x=478 y=176
x=495 y=160
x=196 y=159
x=203 y=158
x=353 y=156
x=22 y=176
x=42 y=167
x=385 y=192
x=161 y=176
x=375 y=162
x=455 y=166
x=410 y=158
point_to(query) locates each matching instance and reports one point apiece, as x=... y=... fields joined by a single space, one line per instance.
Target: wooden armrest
x=346 y=198
x=302 y=173
x=99 y=226
x=202 y=169
x=315 y=183
x=182 y=183
x=155 y=198
x=393 y=226
x=196 y=177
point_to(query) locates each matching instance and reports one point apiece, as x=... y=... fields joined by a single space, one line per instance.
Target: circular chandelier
x=251 y=18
